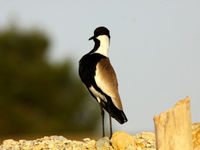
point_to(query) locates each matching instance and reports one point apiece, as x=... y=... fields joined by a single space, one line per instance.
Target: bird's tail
x=116 y=113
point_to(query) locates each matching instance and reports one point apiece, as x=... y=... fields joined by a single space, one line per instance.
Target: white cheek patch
x=97 y=94
x=104 y=45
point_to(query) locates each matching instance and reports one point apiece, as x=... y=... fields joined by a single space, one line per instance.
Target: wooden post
x=174 y=127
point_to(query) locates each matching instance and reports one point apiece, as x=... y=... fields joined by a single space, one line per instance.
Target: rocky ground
x=119 y=141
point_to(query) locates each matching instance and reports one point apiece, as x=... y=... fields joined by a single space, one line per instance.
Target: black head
x=100 y=31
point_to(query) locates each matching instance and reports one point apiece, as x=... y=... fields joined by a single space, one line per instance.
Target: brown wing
x=106 y=80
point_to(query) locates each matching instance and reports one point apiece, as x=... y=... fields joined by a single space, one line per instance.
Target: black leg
x=110 y=119
x=102 y=115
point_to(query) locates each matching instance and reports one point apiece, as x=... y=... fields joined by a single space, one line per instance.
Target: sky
x=155 y=47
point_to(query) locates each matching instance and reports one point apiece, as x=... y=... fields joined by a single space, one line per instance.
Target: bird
x=99 y=77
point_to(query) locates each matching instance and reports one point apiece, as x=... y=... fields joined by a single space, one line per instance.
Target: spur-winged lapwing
x=99 y=77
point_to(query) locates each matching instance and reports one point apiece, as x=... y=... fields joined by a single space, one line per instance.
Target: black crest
x=100 y=31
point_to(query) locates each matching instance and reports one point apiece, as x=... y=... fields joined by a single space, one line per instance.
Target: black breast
x=87 y=67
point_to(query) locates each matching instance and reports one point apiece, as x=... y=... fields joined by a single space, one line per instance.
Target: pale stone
x=148 y=135
x=174 y=128
x=145 y=141
x=122 y=140
x=196 y=136
x=91 y=144
x=86 y=139
x=10 y=142
x=103 y=144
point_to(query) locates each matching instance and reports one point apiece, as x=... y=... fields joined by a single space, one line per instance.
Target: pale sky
x=155 y=47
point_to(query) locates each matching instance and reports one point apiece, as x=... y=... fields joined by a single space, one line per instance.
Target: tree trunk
x=174 y=128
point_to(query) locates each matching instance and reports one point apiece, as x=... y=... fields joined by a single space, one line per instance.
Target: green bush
x=38 y=97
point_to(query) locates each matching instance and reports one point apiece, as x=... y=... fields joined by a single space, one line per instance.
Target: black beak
x=92 y=38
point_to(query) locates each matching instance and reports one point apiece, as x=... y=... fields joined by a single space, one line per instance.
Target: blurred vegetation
x=38 y=97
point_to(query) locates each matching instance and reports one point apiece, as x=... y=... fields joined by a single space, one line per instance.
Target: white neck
x=104 y=45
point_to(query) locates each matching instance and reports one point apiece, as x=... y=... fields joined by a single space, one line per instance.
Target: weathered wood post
x=174 y=128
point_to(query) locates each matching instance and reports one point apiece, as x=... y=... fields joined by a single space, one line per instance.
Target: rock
x=123 y=141
x=196 y=136
x=119 y=141
x=146 y=140
x=103 y=144
x=91 y=144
